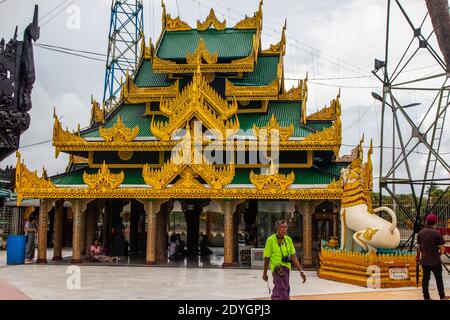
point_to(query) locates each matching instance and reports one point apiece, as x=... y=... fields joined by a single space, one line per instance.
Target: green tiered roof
x=285 y=113
x=134 y=176
x=228 y=43
x=146 y=77
x=264 y=74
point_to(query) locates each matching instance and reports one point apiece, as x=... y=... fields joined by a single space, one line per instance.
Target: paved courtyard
x=129 y=282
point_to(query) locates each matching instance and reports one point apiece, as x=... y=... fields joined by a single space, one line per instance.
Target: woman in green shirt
x=279 y=252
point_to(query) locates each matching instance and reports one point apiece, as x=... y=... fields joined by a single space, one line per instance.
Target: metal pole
x=385 y=82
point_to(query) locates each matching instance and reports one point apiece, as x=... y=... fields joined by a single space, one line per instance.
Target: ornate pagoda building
x=206 y=118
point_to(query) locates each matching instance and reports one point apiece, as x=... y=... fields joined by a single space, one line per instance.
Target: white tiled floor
x=128 y=282
x=122 y=282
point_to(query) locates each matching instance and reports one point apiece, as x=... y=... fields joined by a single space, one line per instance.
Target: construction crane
x=428 y=130
x=125 y=33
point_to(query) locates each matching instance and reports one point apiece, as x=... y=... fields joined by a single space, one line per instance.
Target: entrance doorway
x=325 y=227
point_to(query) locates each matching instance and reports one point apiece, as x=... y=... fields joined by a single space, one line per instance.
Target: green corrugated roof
x=147 y=78
x=132 y=115
x=285 y=113
x=302 y=176
x=228 y=43
x=264 y=74
x=319 y=125
x=132 y=177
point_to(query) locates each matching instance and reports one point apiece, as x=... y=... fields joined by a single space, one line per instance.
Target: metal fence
x=404 y=224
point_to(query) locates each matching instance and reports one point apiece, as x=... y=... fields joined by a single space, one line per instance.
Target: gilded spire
x=213 y=21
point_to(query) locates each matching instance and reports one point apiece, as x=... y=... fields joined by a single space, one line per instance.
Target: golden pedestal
x=370 y=270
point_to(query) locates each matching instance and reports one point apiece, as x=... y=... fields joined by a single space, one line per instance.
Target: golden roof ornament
x=97 y=112
x=213 y=21
x=280 y=47
x=254 y=22
x=202 y=53
x=170 y=24
x=328 y=113
x=119 y=133
x=28 y=180
x=103 y=180
x=272 y=182
x=62 y=137
x=146 y=52
x=198 y=99
x=273 y=127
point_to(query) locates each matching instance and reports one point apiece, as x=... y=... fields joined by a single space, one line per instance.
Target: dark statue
x=17 y=76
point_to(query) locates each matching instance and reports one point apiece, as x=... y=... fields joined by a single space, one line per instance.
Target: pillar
x=91 y=225
x=58 y=230
x=229 y=208
x=78 y=208
x=134 y=221
x=44 y=207
x=151 y=208
x=162 y=219
x=83 y=233
x=307 y=210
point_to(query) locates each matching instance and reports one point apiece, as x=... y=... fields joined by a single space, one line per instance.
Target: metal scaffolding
x=413 y=140
x=125 y=33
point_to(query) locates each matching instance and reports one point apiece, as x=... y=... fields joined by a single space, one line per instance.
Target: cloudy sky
x=334 y=41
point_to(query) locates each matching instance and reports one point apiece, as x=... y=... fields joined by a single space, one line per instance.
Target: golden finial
x=163 y=13
x=44 y=173
x=361 y=147
x=54 y=113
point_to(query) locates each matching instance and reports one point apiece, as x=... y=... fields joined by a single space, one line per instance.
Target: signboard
x=257 y=257
x=245 y=254
x=398 y=273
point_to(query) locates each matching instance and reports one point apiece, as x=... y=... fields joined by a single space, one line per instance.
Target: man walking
x=279 y=253
x=430 y=247
x=30 y=232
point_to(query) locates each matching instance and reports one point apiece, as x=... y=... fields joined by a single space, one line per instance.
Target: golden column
x=57 y=230
x=78 y=207
x=83 y=233
x=306 y=210
x=151 y=207
x=228 y=208
x=44 y=207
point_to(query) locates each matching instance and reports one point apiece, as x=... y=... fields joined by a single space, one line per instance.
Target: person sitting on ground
x=97 y=252
x=204 y=250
